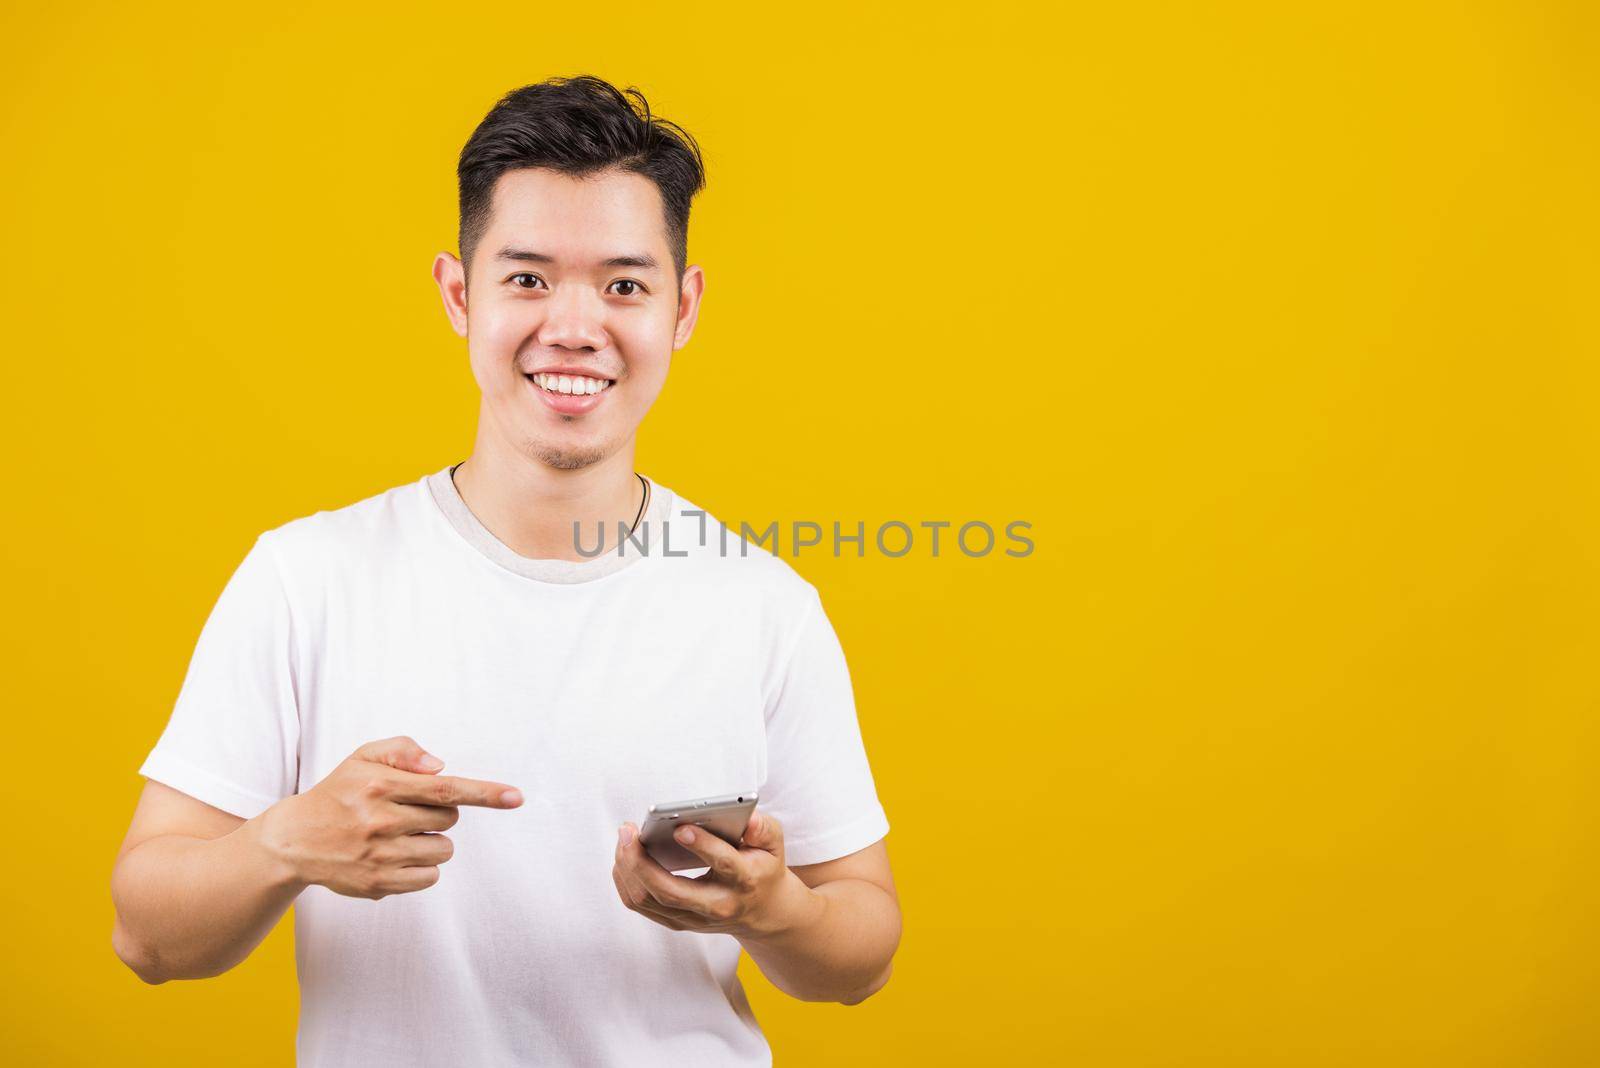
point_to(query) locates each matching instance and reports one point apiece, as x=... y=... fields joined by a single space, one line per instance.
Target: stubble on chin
x=563 y=459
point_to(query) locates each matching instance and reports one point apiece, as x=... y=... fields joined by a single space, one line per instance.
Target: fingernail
x=430 y=762
x=625 y=834
x=685 y=834
x=511 y=797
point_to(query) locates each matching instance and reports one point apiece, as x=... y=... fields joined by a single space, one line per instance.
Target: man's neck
x=532 y=507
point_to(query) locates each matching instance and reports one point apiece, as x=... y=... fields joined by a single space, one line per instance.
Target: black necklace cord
x=642 y=501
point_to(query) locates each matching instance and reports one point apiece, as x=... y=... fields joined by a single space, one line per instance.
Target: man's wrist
x=264 y=833
x=797 y=908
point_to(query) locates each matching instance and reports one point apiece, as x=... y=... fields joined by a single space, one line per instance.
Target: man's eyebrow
x=641 y=259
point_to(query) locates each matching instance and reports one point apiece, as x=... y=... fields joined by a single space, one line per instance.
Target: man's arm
x=820 y=932
x=842 y=950
x=194 y=888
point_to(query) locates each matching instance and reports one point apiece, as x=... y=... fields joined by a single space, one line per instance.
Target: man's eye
x=525 y=274
x=634 y=288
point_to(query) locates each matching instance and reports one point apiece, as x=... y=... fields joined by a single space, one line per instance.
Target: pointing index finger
x=417 y=789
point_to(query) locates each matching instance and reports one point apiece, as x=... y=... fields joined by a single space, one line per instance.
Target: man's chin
x=567 y=457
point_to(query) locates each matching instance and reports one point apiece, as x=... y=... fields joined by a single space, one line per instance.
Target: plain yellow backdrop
x=1277 y=325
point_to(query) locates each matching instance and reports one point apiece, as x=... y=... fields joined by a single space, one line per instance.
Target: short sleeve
x=819 y=783
x=233 y=737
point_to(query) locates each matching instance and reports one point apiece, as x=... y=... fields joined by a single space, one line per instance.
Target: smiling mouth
x=571 y=385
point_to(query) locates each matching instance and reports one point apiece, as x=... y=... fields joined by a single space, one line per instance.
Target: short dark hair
x=579 y=126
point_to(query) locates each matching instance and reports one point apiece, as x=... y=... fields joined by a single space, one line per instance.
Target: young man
x=462 y=618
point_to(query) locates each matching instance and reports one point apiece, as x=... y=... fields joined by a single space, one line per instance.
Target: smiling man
x=462 y=618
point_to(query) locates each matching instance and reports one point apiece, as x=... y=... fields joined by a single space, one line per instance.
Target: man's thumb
x=762 y=831
x=400 y=752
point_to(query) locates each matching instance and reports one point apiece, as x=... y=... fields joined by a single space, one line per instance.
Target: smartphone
x=726 y=817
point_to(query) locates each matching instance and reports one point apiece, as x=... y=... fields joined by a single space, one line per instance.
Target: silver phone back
x=724 y=816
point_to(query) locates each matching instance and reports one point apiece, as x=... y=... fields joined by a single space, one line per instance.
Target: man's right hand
x=370 y=828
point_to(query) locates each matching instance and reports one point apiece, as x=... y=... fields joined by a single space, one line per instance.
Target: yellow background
x=1277 y=325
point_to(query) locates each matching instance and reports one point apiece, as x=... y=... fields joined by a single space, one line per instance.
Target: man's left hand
x=748 y=891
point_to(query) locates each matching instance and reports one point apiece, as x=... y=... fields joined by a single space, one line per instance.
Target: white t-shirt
x=597 y=688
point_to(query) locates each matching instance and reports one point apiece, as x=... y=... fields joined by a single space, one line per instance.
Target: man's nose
x=575 y=319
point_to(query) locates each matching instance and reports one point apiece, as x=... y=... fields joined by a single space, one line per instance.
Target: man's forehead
x=540 y=215
x=519 y=254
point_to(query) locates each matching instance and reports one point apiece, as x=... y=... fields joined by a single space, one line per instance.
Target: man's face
x=572 y=280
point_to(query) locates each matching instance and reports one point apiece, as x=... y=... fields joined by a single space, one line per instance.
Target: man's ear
x=689 y=294
x=452 y=279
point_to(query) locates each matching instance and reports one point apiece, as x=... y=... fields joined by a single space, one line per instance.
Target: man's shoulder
x=371 y=524
x=730 y=553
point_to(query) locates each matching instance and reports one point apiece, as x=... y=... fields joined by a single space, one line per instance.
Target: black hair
x=579 y=126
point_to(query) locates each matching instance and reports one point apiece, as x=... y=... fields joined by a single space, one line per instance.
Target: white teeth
x=579 y=385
